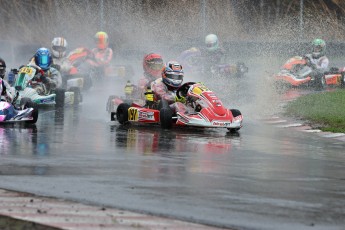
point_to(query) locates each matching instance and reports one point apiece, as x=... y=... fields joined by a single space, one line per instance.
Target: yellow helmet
x=101 y=39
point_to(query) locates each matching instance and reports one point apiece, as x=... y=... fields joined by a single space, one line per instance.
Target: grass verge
x=325 y=110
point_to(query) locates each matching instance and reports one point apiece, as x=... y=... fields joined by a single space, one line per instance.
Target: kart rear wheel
x=87 y=82
x=241 y=69
x=60 y=98
x=122 y=113
x=78 y=97
x=320 y=82
x=342 y=80
x=165 y=116
x=110 y=105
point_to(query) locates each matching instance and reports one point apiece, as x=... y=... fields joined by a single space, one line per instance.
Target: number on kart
x=198 y=90
x=25 y=70
x=132 y=114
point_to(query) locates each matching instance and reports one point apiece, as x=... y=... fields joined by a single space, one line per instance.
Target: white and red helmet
x=59 y=46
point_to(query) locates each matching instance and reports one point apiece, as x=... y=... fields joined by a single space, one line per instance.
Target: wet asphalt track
x=262 y=178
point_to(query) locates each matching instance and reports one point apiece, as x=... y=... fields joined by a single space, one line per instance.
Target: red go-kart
x=205 y=109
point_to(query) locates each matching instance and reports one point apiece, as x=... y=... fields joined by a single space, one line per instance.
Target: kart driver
x=4 y=94
x=212 y=58
x=152 y=65
x=58 y=50
x=317 y=60
x=166 y=86
x=213 y=53
x=102 y=53
x=50 y=76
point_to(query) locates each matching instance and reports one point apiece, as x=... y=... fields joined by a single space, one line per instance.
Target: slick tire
x=235 y=113
x=342 y=80
x=60 y=98
x=320 y=82
x=165 y=116
x=78 y=98
x=122 y=113
x=110 y=105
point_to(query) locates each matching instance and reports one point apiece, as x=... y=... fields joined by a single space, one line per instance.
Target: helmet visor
x=2 y=71
x=155 y=64
x=43 y=60
x=211 y=44
x=174 y=76
x=317 y=48
x=59 y=48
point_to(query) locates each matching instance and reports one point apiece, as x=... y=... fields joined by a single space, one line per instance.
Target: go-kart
x=130 y=97
x=204 y=109
x=26 y=113
x=80 y=66
x=28 y=84
x=335 y=77
x=82 y=62
x=193 y=61
x=297 y=72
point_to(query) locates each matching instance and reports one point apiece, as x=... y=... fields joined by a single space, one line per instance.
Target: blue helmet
x=43 y=58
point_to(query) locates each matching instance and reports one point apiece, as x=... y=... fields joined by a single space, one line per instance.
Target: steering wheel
x=183 y=89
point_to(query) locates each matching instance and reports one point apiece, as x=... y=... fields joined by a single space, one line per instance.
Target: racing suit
x=62 y=64
x=144 y=84
x=319 y=65
x=161 y=91
x=102 y=59
x=213 y=58
x=5 y=91
x=51 y=77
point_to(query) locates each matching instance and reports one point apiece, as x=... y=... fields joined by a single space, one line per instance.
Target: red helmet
x=153 y=64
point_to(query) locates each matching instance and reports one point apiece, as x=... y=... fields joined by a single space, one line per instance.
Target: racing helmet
x=172 y=74
x=319 y=47
x=101 y=39
x=2 y=68
x=153 y=64
x=59 y=46
x=43 y=58
x=211 y=42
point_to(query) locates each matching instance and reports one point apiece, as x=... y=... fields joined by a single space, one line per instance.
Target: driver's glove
x=180 y=99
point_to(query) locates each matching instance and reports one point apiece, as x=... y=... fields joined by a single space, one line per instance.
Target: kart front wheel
x=235 y=113
x=122 y=113
x=165 y=116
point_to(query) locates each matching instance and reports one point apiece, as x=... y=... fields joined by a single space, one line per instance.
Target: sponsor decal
x=221 y=123
x=46 y=100
x=146 y=115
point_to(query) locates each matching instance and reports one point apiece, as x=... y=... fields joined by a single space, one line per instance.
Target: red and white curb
x=74 y=216
x=282 y=123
